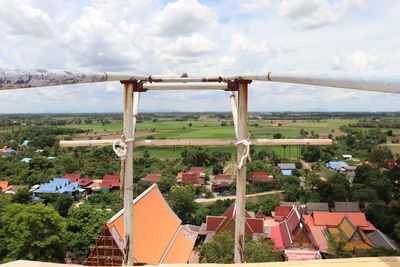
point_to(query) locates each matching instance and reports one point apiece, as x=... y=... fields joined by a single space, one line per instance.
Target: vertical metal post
x=241 y=174
x=234 y=112
x=128 y=173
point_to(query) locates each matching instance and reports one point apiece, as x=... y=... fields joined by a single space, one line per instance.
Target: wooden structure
x=134 y=84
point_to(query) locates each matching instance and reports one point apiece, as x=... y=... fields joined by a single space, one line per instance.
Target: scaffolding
x=134 y=85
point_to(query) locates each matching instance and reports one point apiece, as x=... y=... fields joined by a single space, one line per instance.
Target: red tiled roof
x=224 y=177
x=213 y=222
x=110 y=181
x=198 y=170
x=260 y=176
x=73 y=177
x=281 y=212
x=193 y=178
x=358 y=219
x=85 y=181
x=153 y=177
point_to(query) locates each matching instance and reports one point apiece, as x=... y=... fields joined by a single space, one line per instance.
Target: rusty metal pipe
x=184 y=86
x=379 y=81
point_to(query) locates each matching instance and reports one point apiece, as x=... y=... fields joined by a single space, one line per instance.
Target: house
x=297 y=238
x=73 y=177
x=152 y=177
x=261 y=176
x=155 y=243
x=95 y=186
x=58 y=185
x=333 y=219
x=5 y=186
x=193 y=178
x=216 y=224
x=25 y=143
x=287 y=168
x=347 y=157
x=84 y=182
x=347 y=207
x=281 y=212
x=355 y=237
x=110 y=183
x=198 y=170
x=26 y=160
x=290 y=204
x=336 y=165
x=222 y=182
x=316 y=206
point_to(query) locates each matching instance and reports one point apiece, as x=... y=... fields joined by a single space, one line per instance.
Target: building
x=26 y=160
x=261 y=176
x=192 y=178
x=226 y=222
x=110 y=183
x=159 y=236
x=379 y=239
x=316 y=206
x=222 y=182
x=281 y=212
x=73 y=177
x=58 y=185
x=347 y=207
x=336 y=165
x=5 y=186
x=152 y=177
x=198 y=170
x=347 y=157
x=287 y=168
x=355 y=237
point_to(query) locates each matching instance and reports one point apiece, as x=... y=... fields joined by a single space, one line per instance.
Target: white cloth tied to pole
x=120 y=151
x=246 y=155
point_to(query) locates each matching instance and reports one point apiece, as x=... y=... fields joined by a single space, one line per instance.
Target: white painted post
x=241 y=174
x=234 y=112
x=128 y=174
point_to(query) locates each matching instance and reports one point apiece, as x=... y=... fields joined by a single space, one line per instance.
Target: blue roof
x=9 y=151
x=286 y=172
x=25 y=143
x=51 y=157
x=26 y=159
x=336 y=164
x=58 y=185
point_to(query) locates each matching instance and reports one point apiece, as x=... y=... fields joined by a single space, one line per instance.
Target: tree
x=380 y=155
x=195 y=156
x=165 y=184
x=35 y=232
x=277 y=136
x=63 y=203
x=262 y=251
x=219 y=250
x=23 y=196
x=336 y=244
x=381 y=251
x=84 y=224
x=181 y=200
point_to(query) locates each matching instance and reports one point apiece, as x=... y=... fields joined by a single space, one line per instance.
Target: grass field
x=213 y=130
x=169 y=152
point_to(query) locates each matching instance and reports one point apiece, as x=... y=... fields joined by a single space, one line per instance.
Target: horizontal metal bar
x=184 y=86
x=199 y=142
x=379 y=81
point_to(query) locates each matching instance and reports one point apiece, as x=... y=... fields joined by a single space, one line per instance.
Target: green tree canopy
x=35 y=232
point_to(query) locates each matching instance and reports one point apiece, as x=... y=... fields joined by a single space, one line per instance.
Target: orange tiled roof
x=4 y=186
x=158 y=233
x=358 y=219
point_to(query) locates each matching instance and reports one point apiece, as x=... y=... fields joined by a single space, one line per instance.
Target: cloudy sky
x=199 y=37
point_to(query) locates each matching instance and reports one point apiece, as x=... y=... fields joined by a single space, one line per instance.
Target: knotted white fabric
x=246 y=155
x=120 y=151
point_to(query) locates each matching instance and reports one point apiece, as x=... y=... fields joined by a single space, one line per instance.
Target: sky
x=199 y=37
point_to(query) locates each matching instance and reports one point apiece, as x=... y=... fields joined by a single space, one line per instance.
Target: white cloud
x=184 y=17
x=19 y=18
x=309 y=14
x=358 y=60
x=194 y=45
x=255 y=5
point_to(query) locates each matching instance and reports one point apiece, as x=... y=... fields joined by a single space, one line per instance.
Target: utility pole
x=241 y=174
x=128 y=173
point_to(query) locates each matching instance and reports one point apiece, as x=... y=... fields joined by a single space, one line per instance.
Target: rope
x=120 y=151
x=247 y=152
